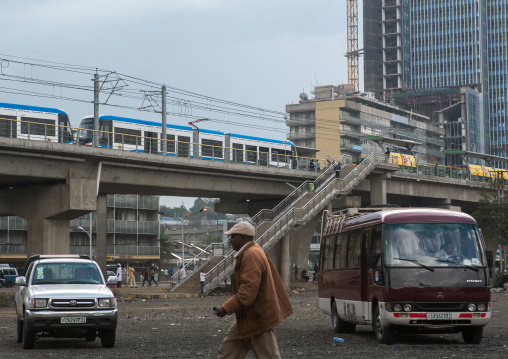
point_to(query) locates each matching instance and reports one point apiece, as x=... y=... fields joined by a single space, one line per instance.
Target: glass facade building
x=431 y=45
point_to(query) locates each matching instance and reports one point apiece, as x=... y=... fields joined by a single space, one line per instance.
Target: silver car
x=65 y=296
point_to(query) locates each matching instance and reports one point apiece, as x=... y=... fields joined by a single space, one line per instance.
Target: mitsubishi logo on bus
x=440 y=296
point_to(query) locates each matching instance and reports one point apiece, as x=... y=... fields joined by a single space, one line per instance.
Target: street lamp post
x=183 y=222
x=89 y=237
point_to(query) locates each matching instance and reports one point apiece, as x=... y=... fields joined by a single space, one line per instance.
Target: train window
x=237 y=152
x=38 y=126
x=211 y=148
x=252 y=153
x=263 y=155
x=127 y=136
x=183 y=146
x=7 y=126
x=171 y=143
x=278 y=155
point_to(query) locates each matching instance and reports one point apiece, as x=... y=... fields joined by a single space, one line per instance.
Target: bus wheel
x=384 y=335
x=339 y=326
x=472 y=335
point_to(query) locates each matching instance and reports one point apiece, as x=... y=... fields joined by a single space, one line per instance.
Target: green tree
x=492 y=217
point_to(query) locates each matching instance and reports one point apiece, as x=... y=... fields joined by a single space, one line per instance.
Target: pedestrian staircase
x=303 y=204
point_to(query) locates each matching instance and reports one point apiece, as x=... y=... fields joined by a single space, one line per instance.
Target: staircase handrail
x=338 y=186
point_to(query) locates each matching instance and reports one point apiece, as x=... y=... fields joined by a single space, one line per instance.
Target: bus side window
x=327 y=254
x=354 y=250
x=339 y=258
x=374 y=260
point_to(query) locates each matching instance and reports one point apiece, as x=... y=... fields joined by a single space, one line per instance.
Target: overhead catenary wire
x=176 y=96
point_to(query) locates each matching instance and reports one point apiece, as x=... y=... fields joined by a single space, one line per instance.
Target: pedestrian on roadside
x=132 y=277
x=165 y=274
x=260 y=302
x=337 y=169
x=202 y=278
x=182 y=273
x=119 y=274
x=152 y=277
x=296 y=273
x=146 y=278
x=171 y=271
x=316 y=271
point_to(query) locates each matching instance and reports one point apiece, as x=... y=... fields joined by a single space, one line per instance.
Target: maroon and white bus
x=404 y=270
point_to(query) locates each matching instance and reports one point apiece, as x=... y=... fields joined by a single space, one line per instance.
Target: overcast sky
x=260 y=53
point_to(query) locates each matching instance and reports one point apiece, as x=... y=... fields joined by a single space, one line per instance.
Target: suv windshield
x=432 y=244
x=66 y=273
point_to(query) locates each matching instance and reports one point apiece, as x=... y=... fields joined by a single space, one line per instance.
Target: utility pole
x=95 y=134
x=164 y=121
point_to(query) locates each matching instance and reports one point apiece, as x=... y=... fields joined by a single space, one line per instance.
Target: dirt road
x=184 y=328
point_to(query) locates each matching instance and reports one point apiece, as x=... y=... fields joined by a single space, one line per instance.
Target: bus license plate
x=72 y=320
x=439 y=315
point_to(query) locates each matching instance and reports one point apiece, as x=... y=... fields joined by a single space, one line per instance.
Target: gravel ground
x=183 y=328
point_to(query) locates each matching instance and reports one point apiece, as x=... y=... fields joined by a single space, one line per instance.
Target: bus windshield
x=432 y=245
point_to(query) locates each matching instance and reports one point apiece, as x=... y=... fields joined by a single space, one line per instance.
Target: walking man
x=260 y=303
x=202 y=278
x=182 y=273
x=152 y=277
x=337 y=169
x=296 y=273
x=119 y=274
x=132 y=277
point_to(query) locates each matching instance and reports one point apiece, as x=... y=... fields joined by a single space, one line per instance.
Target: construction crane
x=353 y=53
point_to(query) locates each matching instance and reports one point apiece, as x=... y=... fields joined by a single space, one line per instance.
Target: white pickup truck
x=65 y=296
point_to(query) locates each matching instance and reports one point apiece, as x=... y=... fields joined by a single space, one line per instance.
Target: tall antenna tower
x=353 y=71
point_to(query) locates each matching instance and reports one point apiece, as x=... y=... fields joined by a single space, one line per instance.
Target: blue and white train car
x=184 y=141
x=34 y=123
x=259 y=150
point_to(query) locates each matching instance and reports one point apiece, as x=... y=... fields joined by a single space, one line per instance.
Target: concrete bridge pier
x=48 y=209
x=293 y=249
x=378 y=193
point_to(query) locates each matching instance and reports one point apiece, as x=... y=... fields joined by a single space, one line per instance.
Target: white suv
x=65 y=296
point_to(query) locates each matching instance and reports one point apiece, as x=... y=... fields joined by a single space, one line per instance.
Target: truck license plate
x=439 y=315
x=72 y=320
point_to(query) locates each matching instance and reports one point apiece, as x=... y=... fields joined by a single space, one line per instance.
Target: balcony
x=13 y=223
x=133 y=227
x=299 y=136
x=133 y=201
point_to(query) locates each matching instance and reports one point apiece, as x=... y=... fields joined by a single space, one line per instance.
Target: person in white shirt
x=448 y=251
x=119 y=274
x=182 y=273
x=202 y=277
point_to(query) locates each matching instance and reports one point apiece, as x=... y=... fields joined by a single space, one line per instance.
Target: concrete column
x=101 y=223
x=39 y=232
x=284 y=261
x=378 y=189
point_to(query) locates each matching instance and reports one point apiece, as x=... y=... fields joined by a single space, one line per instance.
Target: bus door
x=364 y=278
x=350 y=281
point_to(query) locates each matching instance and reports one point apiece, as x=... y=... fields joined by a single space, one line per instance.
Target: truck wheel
x=472 y=335
x=28 y=340
x=19 y=330
x=384 y=334
x=339 y=326
x=108 y=338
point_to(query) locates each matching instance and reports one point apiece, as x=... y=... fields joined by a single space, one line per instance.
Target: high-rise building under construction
x=430 y=55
